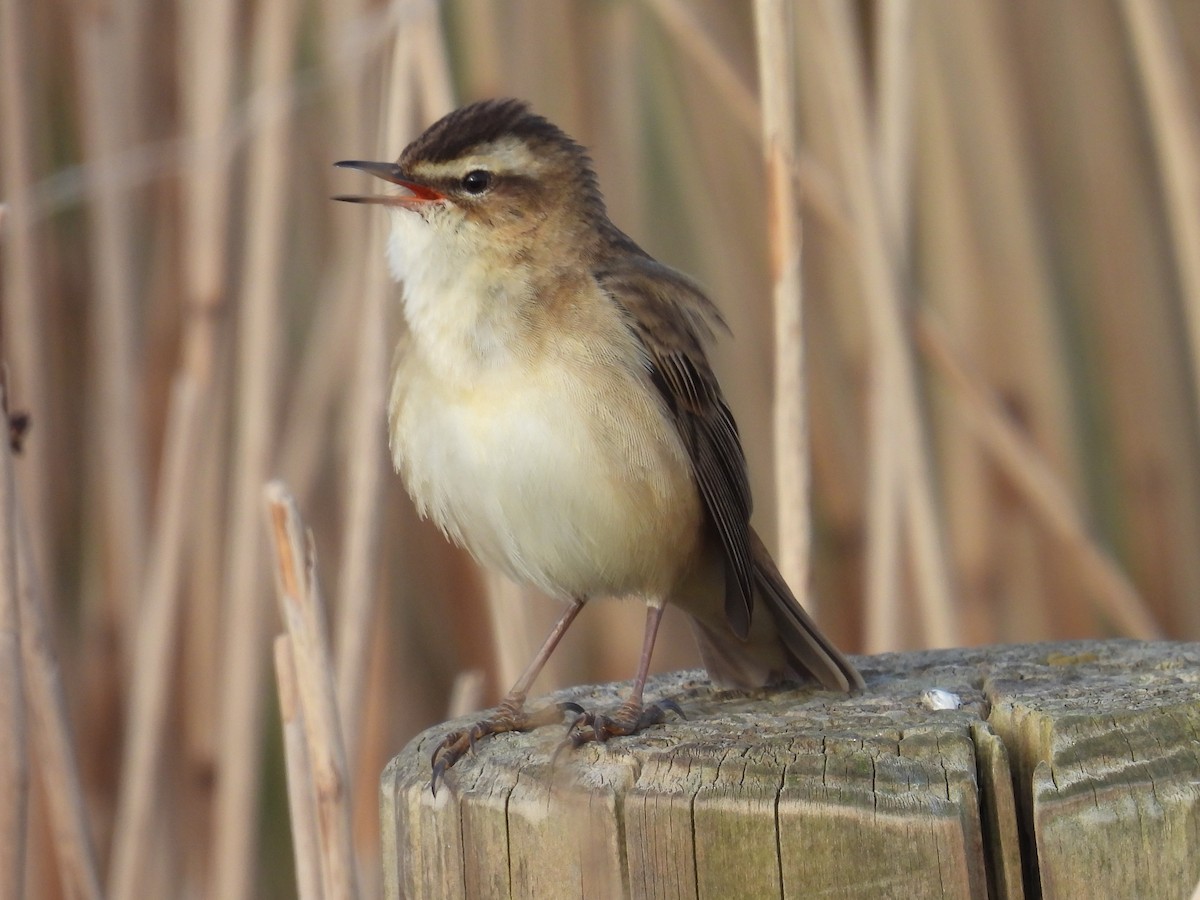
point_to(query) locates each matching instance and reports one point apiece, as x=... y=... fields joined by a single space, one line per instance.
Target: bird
x=554 y=411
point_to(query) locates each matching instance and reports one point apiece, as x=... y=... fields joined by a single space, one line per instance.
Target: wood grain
x=1069 y=769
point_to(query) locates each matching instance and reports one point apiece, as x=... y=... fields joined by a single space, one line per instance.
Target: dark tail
x=808 y=651
x=783 y=643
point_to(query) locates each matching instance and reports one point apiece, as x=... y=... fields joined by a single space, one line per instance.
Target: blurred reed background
x=999 y=251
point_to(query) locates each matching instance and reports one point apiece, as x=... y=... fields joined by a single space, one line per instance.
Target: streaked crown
x=523 y=160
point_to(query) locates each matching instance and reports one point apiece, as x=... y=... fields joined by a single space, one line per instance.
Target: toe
x=510 y=715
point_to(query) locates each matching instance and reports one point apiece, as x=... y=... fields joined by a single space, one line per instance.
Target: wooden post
x=1071 y=769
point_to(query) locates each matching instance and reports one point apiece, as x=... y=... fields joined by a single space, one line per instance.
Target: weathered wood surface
x=1070 y=770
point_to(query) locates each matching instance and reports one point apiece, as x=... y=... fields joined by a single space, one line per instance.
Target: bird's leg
x=631 y=716
x=510 y=715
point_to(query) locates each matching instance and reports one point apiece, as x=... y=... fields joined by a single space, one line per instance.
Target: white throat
x=463 y=305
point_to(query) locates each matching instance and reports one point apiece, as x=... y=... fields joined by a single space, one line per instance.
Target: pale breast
x=562 y=472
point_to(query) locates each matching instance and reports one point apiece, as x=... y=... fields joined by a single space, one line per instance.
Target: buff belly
x=575 y=491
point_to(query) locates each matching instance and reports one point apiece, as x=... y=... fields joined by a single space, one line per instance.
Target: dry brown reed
x=304 y=614
x=21 y=313
x=467 y=694
x=1162 y=66
x=51 y=744
x=116 y=417
x=836 y=59
x=299 y=775
x=155 y=636
x=991 y=375
x=14 y=737
x=358 y=574
x=773 y=35
x=1040 y=487
x=884 y=611
x=260 y=333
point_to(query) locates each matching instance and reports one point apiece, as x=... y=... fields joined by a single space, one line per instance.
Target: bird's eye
x=477 y=181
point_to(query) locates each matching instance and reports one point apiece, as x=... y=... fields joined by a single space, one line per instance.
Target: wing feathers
x=671 y=318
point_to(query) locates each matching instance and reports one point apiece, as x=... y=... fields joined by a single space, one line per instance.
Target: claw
x=434 y=755
x=669 y=704
x=586 y=727
x=509 y=716
x=603 y=727
x=626 y=720
x=448 y=741
x=439 y=769
x=446 y=754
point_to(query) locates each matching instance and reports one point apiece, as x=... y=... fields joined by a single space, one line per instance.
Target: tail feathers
x=807 y=649
x=732 y=663
x=783 y=642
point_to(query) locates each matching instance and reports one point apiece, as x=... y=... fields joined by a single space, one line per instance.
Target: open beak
x=415 y=194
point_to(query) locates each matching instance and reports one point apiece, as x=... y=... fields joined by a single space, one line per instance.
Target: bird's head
x=491 y=175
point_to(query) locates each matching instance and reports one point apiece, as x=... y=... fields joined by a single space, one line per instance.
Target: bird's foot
x=510 y=715
x=628 y=718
